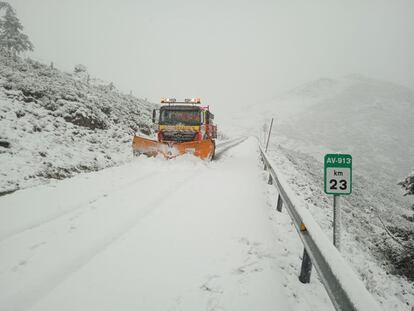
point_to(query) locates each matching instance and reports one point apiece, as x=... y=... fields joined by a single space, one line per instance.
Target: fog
x=229 y=53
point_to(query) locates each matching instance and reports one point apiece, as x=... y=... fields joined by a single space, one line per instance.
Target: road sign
x=338 y=174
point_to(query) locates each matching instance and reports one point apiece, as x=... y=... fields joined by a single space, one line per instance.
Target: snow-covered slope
x=54 y=124
x=374 y=121
x=371 y=119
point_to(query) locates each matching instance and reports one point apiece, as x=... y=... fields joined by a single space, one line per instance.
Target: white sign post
x=338 y=181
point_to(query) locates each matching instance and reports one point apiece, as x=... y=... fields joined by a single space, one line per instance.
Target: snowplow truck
x=182 y=128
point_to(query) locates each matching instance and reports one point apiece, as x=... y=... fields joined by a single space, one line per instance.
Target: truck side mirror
x=154 y=113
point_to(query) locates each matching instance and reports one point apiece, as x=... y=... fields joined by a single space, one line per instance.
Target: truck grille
x=179 y=136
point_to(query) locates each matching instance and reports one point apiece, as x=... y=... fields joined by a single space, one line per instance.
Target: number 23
x=334 y=184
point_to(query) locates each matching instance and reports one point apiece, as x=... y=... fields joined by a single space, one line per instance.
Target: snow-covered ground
x=372 y=120
x=55 y=124
x=154 y=235
x=362 y=234
x=186 y=234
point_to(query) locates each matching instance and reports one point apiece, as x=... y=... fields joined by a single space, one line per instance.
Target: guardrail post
x=306 y=269
x=270 y=180
x=264 y=163
x=279 y=203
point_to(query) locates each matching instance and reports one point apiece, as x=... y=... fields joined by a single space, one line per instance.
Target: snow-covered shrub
x=80 y=68
x=84 y=115
x=408 y=184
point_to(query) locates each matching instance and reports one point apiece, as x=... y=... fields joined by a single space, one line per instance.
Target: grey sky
x=226 y=52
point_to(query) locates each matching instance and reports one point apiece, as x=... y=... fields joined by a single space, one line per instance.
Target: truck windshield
x=183 y=117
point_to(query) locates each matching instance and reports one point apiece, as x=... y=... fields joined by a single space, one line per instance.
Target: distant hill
x=55 y=124
x=373 y=120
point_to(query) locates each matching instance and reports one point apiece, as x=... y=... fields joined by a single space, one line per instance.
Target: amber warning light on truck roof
x=186 y=101
x=192 y=100
x=168 y=100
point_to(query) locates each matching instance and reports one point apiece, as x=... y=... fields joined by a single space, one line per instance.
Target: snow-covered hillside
x=55 y=124
x=373 y=121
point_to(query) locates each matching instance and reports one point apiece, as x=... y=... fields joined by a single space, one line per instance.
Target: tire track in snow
x=224 y=146
x=27 y=297
x=73 y=208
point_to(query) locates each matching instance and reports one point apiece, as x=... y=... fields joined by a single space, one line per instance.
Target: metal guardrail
x=345 y=289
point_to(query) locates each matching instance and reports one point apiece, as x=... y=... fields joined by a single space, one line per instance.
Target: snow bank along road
x=151 y=235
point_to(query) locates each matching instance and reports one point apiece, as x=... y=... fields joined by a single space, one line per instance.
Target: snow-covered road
x=152 y=235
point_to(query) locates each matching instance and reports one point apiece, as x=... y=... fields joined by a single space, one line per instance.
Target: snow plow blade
x=203 y=149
